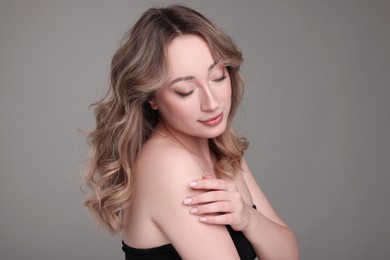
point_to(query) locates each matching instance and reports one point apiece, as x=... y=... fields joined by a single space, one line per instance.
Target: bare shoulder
x=163 y=154
x=163 y=178
x=164 y=174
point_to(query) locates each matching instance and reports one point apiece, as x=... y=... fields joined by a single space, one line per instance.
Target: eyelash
x=220 y=79
x=183 y=95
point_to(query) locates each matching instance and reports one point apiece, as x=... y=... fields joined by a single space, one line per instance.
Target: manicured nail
x=202 y=219
x=187 y=201
x=193 y=210
x=193 y=184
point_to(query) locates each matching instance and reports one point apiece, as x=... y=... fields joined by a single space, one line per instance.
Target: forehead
x=187 y=55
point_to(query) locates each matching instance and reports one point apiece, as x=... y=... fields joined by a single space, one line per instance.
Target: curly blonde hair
x=124 y=119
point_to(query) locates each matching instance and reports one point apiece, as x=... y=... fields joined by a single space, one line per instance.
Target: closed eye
x=219 y=79
x=183 y=95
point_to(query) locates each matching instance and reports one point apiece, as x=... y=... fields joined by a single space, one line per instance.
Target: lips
x=213 y=121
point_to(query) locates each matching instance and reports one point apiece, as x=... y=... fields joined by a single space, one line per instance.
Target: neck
x=197 y=146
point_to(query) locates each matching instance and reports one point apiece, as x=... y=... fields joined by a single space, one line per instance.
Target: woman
x=167 y=170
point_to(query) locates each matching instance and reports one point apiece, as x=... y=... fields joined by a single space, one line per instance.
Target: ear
x=153 y=104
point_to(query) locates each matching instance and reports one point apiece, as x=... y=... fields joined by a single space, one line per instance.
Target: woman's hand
x=220 y=203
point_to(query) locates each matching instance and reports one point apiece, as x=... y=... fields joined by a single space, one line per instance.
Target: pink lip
x=213 y=121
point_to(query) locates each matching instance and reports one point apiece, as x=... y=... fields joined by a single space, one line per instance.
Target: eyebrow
x=212 y=66
x=192 y=77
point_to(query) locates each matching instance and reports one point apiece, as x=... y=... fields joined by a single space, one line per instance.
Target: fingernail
x=193 y=184
x=202 y=219
x=193 y=210
x=187 y=201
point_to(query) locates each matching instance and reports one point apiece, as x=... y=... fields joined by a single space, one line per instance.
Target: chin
x=217 y=132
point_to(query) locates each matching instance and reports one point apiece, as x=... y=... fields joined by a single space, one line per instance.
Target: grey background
x=316 y=111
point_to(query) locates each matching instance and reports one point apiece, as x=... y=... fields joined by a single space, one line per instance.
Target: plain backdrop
x=316 y=111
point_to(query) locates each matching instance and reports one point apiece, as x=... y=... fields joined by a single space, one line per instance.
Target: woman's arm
x=268 y=234
x=167 y=184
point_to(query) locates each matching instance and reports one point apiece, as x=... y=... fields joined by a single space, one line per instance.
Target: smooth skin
x=176 y=202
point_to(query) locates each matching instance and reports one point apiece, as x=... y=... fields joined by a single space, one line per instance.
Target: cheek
x=227 y=93
x=173 y=109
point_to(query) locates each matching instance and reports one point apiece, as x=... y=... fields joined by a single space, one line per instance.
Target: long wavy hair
x=125 y=120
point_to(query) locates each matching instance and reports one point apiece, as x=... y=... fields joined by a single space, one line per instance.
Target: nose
x=210 y=101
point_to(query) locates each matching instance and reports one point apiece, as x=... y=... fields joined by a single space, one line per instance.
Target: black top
x=166 y=252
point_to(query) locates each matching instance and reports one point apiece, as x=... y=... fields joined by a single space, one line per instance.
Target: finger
x=207 y=197
x=212 y=208
x=212 y=184
x=214 y=196
x=224 y=219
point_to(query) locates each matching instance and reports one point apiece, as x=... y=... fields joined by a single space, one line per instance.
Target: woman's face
x=196 y=100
